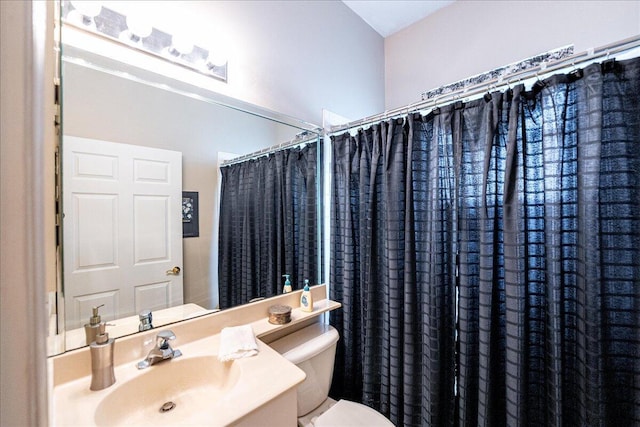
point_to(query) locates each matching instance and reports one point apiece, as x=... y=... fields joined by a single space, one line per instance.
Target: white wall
x=25 y=155
x=294 y=57
x=470 y=37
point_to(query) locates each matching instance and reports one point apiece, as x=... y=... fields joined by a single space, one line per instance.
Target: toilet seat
x=351 y=414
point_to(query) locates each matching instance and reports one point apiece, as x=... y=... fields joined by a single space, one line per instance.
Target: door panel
x=97 y=221
x=146 y=171
x=110 y=300
x=151 y=229
x=153 y=296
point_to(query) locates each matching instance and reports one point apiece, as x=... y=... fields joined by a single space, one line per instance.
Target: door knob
x=174 y=271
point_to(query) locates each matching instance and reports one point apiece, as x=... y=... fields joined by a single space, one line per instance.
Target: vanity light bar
x=137 y=34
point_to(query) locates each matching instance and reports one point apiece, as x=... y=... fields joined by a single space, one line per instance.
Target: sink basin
x=186 y=387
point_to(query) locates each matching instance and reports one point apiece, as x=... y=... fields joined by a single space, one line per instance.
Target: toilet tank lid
x=306 y=343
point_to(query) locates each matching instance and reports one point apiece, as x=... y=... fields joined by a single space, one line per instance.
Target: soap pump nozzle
x=102 y=336
x=95 y=316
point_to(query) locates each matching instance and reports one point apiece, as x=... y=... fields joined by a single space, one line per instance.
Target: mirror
x=108 y=103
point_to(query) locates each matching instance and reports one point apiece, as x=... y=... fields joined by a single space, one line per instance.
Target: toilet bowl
x=313 y=350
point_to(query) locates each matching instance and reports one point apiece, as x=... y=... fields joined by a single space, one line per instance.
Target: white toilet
x=313 y=350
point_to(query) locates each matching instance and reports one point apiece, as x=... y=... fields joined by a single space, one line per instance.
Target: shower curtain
x=268 y=225
x=487 y=257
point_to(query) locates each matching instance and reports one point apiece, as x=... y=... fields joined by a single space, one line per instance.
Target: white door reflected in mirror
x=122 y=229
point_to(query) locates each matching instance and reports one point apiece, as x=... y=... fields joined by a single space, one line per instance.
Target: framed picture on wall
x=190 y=226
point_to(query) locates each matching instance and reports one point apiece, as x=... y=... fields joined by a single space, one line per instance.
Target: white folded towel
x=237 y=342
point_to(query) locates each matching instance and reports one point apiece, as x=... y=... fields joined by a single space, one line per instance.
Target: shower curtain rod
x=464 y=94
x=302 y=138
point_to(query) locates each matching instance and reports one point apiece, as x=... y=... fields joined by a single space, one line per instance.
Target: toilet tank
x=313 y=350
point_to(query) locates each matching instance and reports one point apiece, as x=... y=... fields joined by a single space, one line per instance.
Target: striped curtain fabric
x=268 y=225
x=487 y=257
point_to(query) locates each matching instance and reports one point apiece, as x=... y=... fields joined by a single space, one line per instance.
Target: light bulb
x=90 y=9
x=183 y=45
x=138 y=26
x=217 y=56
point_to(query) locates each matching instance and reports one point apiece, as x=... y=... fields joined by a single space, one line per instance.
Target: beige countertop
x=261 y=379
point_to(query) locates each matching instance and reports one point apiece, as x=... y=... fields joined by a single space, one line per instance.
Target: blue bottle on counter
x=306 y=299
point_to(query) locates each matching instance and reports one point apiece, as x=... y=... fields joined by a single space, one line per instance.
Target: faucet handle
x=163 y=338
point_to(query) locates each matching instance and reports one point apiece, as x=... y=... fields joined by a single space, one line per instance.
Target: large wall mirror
x=113 y=113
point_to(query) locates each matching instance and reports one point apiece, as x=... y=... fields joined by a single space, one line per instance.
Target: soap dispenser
x=91 y=328
x=287 y=284
x=102 y=374
x=306 y=299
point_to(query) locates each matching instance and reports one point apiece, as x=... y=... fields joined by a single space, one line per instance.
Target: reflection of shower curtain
x=268 y=225
x=487 y=258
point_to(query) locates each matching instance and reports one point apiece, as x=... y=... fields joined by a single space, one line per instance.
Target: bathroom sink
x=171 y=393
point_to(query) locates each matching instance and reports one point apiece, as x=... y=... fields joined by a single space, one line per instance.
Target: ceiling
x=390 y=16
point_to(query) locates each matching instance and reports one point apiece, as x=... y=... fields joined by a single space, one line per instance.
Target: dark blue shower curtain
x=488 y=257
x=268 y=225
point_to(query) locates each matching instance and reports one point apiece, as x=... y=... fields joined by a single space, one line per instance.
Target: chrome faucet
x=162 y=350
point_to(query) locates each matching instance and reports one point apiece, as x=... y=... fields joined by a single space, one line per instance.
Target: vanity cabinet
x=281 y=411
